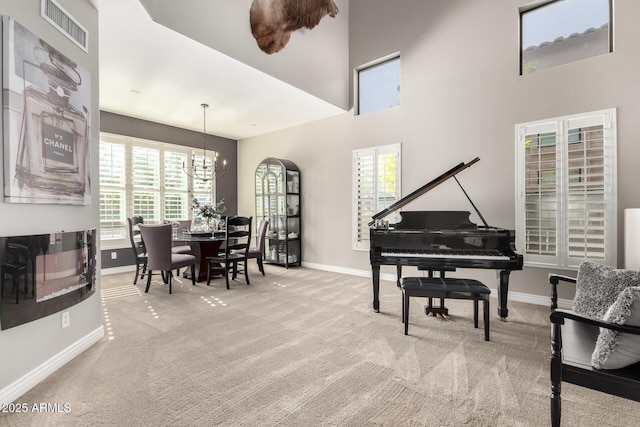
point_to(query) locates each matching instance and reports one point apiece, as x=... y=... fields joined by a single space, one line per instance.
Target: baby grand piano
x=439 y=241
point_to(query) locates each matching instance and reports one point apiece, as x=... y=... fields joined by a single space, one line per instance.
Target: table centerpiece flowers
x=212 y=214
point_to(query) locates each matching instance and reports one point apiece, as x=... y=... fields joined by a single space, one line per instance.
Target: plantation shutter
x=176 y=203
x=541 y=192
x=376 y=185
x=202 y=190
x=146 y=183
x=567 y=190
x=587 y=189
x=112 y=190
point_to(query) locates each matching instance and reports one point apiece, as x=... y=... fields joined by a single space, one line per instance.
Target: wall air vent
x=65 y=23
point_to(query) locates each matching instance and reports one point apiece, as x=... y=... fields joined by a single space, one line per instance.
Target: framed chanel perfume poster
x=46 y=102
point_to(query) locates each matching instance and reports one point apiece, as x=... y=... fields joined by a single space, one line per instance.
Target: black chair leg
x=208 y=272
x=135 y=279
x=260 y=266
x=556 y=405
x=149 y=273
x=226 y=274
x=475 y=313
x=406 y=313
x=169 y=279
x=246 y=272
x=193 y=275
x=486 y=318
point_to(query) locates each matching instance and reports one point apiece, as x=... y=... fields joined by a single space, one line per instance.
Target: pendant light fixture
x=204 y=172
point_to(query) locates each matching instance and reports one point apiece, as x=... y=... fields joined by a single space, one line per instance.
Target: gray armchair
x=596 y=344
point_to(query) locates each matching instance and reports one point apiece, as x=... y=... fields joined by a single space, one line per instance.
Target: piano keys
x=441 y=241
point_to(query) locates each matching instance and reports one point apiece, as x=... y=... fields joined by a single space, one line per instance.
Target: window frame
x=358 y=218
x=161 y=189
x=543 y=3
x=566 y=175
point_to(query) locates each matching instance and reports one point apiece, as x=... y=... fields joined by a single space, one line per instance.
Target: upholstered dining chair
x=257 y=251
x=237 y=241
x=137 y=244
x=157 y=239
x=183 y=225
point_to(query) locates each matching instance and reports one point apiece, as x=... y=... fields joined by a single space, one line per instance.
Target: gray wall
x=27 y=349
x=461 y=97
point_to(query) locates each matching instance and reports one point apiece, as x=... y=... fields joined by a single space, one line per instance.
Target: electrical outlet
x=114 y=255
x=65 y=319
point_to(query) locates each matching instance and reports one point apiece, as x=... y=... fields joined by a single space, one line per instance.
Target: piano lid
x=420 y=191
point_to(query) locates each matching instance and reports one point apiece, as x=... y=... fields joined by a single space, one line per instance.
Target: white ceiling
x=153 y=73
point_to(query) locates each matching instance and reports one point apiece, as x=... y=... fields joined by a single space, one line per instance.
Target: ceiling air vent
x=65 y=23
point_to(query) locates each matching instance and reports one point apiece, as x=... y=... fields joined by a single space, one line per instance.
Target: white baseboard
x=349 y=271
x=116 y=270
x=22 y=385
x=513 y=296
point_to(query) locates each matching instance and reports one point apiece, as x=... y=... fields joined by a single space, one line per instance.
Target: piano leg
x=503 y=292
x=375 y=271
x=399 y=270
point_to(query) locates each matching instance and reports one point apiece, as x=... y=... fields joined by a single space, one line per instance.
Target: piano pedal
x=438 y=312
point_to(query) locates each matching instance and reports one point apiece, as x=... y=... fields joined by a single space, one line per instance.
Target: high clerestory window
x=562 y=31
x=378 y=85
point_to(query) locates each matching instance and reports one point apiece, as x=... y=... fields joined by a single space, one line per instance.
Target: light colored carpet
x=303 y=347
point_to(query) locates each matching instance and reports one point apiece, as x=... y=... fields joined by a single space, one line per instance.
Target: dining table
x=203 y=245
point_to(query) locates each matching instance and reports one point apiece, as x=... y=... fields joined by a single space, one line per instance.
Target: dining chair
x=257 y=251
x=237 y=241
x=137 y=244
x=178 y=248
x=157 y=239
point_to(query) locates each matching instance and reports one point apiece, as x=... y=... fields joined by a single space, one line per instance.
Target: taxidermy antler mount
x=273 y=21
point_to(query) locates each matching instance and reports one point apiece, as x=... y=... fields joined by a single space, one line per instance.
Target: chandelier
x=204 y=172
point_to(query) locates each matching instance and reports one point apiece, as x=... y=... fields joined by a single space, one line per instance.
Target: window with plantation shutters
x=376 y=185
x=202 y=190
x=146 y=183
x=566 y=201
x=112 y=190
x=176 y=190
x=141 y=177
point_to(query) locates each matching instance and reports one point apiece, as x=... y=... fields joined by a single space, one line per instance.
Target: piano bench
x=452 y=288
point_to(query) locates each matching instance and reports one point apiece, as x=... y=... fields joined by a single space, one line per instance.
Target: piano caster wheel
x=503 y=319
